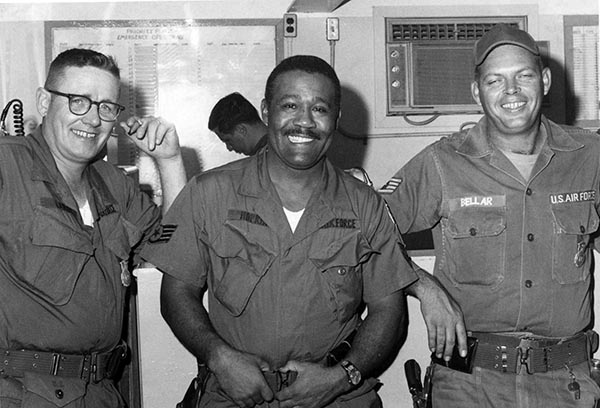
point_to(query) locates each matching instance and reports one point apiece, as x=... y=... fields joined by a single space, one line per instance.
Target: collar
x=558 y=138
x=475 y=141
x=45 y=170
x=330 y=192
x=44 y=167
x=255 y=178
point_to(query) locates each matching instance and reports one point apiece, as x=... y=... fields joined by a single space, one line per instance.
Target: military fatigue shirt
x=514 y=253
x=274 y=293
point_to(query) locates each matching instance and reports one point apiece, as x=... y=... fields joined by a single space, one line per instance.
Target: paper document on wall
x=179 y=71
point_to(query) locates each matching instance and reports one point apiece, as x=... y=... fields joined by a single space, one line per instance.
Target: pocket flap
x=471 y=223
x=349 y=249
x=59 y=391
x=234 y=242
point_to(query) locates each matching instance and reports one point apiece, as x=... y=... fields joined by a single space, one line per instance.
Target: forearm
x=379 y=335
x=158 y=139
x=441 y=313
x=184 y=312
x=172 y=179
x=426 y=281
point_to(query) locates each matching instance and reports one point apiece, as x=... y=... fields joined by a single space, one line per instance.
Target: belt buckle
x=285 y=379
x=523 y=359
x=56 y=358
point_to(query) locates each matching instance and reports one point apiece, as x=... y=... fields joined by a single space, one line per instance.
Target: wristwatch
x=354 y=376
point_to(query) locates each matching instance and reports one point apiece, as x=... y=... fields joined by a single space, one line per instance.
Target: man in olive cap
x=512 y=202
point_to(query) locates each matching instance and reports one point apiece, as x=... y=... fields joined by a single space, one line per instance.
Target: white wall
x=166 y=366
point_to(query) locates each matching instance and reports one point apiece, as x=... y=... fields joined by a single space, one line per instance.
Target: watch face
x=354 y=376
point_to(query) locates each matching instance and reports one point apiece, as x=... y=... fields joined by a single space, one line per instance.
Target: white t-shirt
x=523 y=162
x=293 y=217
x=86 y=214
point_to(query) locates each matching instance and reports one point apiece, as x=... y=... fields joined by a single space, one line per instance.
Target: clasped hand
x=154 y=136
x=241 y=377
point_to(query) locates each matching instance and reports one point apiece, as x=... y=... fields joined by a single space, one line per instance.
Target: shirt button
x=582 y=229
x=528 y=283
x=529 y=237
x=473 y=231
x=341 y=271
x=528 y=192
x=59 y=394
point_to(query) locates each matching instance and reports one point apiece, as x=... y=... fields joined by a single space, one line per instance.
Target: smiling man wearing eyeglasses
x=70 y=227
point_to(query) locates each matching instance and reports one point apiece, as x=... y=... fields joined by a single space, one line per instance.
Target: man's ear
x=475 y=92
x=546 y=79
x=42 y=101
x=264 y=111
x=241 y=129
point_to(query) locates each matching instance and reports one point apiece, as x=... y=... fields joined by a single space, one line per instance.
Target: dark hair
x=306 y=63
x=79 y=57
x=230 y=111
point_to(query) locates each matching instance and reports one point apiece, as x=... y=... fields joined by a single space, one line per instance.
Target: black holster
x=192 y=396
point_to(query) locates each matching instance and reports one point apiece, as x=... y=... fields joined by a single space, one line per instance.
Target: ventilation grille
x=450 y=31
x=429 y=62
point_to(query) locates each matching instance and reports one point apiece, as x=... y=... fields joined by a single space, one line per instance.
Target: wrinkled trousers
x=493 y=389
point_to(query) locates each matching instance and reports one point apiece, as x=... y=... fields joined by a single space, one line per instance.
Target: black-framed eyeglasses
x=80 y=105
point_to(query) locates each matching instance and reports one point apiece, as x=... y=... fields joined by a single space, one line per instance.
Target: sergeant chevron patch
x=163 y=234
x=391 y=186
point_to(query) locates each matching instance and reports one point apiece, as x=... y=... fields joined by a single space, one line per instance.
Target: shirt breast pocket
x=476 y=239
x=573 y=224
x=239 y=262
x=340 y=265
x=58 y=253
